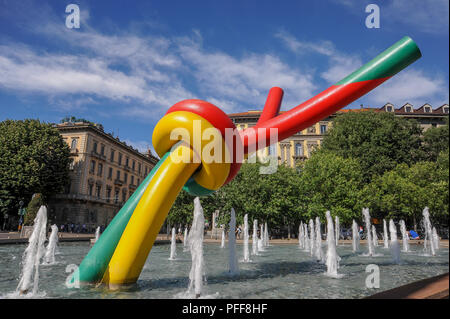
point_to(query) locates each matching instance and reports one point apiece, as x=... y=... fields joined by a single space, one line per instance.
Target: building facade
x=299 y=146
x=104 y=173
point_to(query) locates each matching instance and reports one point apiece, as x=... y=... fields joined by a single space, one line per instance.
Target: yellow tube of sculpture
x=141 y=231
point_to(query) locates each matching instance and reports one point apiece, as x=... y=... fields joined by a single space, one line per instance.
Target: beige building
x=299 y=146
x=104 y=173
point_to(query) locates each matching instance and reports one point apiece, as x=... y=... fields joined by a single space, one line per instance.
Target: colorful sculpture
x=118 y=257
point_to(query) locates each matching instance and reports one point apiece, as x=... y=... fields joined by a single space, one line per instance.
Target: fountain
x=436 y=239
x=232 y=245
x=306 y=237
x=97 y=234
x=33 y=254
x=385 y=235
x=318 y=242
x=222 y=243
x=395 y=247
x=374 y=236
x=332 y=258
x=311 y=237
x=255 y=237
x=428 y=241
x=197 y=273
x=266 y=236
x=185 y=240
x=368 y=231
x=355 y=237
x=337 y=229
x=260 y=240
x=49 y=257
x=405 y=236
x=173 y=246
x=301 y=242
x=246 y=252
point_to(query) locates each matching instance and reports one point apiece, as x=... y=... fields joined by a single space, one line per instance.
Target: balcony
x=118 y=182
x=132 y=186
x=299 y=157
x=98 y=155
x=127 y=168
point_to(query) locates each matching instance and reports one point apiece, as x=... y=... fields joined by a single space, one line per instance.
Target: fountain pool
x=281 y=271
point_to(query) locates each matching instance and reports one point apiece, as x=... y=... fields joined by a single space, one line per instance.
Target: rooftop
x=406 y=109
x=98 y=128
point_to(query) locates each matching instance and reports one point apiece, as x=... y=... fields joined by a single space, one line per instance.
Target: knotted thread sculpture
x=117 y=258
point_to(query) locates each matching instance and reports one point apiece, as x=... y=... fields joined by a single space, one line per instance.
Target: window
x=146 y=171
x=108 y=194
x=408 y=109
x=98 y=191
x=116 y=196
x=102 y=149
x=133 y=165
x=312 y=129
x=91 y=186
x=445 y=110
x=298 y=149
x=100 y=169
x=124 y=195
x=132 y=180
x=389 y=108
x=126 y=161
x=138 y=181
x=125 y=177
x=139 y=168
x=92 y=169
x=427 y=109
x=110 y=173
x=323 y=128
x=112 y=155
x=120 y=158
x=118 y=175
x=94 y=148
x=73 y=146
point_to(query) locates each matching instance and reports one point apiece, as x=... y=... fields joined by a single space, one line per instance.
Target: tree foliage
x=378 y=140
x=33 y=159
x=403 y=192
x=33 y=207
x=367 y=159
x=435 y=141
x=331 y=182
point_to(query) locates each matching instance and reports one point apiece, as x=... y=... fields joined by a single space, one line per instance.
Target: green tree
x=403 y=193
x=33 y=159
x=378 y=140
x=32 y=209
x=435 y=141
x=272 y=198
x=333 y=183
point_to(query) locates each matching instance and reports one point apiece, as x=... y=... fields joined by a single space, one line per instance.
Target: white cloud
x=340 y=64
x=411 y=86
x=245 y=80
x=26 y=70
x=426 y=16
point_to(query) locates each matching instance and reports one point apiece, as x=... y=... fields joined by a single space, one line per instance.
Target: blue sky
x=131 y=60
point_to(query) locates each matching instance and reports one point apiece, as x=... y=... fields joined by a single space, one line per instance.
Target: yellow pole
x=138 y=237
